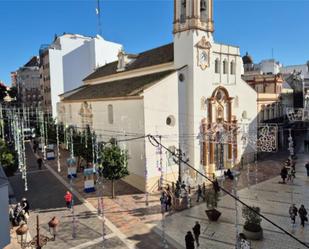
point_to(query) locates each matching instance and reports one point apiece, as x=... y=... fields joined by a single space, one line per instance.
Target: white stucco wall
x=160 y=102
x=56 y=77
x=128 y=123
x=82 y=61
x=202 y=83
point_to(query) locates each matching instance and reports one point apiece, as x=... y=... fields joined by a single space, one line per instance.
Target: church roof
x=119 y=88
x=152 y=57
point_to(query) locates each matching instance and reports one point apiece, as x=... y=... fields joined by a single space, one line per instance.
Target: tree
x=3 y=92
x=113 y=164
x=82 y=146
x=12 y=92
x=7 y=159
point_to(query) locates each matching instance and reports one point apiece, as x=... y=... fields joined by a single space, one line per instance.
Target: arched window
x=110 y=113
x=217 y=66
x=232 y=69
x=225 y=67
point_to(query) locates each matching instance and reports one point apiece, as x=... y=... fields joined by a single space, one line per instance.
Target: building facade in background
x=298 y=76
x=27 y=82
x=275 y=95
x=69 y=59
x=190 y=92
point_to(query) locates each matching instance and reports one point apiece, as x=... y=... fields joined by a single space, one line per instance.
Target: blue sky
x=257 y=26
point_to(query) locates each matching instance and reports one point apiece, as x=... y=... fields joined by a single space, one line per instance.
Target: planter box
x=253 y=235
x=213 y=214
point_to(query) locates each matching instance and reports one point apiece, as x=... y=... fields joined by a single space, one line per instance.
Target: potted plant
x=252 y=226
x=212 y=198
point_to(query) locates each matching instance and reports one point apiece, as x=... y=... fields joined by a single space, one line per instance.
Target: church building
x=189 y=92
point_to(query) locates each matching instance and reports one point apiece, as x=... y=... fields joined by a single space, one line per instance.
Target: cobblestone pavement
x=46 y=197
x=274 y=200
x=140 y=223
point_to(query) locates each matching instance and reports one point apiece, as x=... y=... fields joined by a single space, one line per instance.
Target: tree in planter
x=113 y=164
x=252 y=227
x=212 y=198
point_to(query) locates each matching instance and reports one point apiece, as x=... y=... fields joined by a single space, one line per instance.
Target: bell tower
x=193 y=14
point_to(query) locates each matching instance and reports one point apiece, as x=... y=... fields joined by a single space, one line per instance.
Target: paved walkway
x=46 y=197
x=140 y=223
x=274 y=200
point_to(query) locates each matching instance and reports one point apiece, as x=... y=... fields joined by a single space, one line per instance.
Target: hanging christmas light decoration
x=58 y=147
x=162 y=191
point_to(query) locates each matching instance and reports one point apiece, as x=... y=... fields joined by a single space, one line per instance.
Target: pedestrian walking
x=68 y=199
x=293 y=212
x=197 y=231
x=215 y=185
x=168 y=201
x=189 y=240
x=199 y=193
x=302 y=215
x=307 y=168
x=40 y=162
x=284 y=174
x=35 y=146
x=163 y=201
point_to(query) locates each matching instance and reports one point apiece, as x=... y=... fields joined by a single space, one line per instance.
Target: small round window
x=170 y=120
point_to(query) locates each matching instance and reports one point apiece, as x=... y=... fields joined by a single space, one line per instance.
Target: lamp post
x=39 y=240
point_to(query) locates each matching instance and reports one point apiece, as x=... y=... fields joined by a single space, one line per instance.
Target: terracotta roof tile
x=119 y=88
x=156 y=56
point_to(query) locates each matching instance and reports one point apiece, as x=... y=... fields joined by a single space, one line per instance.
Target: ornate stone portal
x=86 y=115
x=219 y=132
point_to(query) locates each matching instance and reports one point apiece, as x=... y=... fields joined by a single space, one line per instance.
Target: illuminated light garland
x=58 y=149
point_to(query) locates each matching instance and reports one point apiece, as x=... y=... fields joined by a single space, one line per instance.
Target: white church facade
x=189 y=92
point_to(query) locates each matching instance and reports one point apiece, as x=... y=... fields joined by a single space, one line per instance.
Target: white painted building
x=182 y=91
x=69 y=59
x=303 y=72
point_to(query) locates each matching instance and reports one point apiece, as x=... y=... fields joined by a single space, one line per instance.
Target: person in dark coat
x=215 y=185
x=189 y=240
x=307 y=168
x=197 y=231
x=302 y=215
x=199 y=193
x=293 y=212
x=168 y=202
x=40 y=162
x=284 y=173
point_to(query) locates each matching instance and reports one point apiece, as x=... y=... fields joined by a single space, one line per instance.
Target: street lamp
x=39 y=240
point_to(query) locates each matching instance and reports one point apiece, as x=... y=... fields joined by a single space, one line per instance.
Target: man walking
x=189 y=240
x=199 y=193
x=40 y=162
x=197 y=231
x=302 y=215
x=307 y=168
x=284 y=174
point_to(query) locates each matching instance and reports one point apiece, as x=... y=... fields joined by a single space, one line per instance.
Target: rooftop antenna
x=98 y=12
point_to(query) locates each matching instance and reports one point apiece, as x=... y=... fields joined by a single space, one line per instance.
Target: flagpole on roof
x=98 y=13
